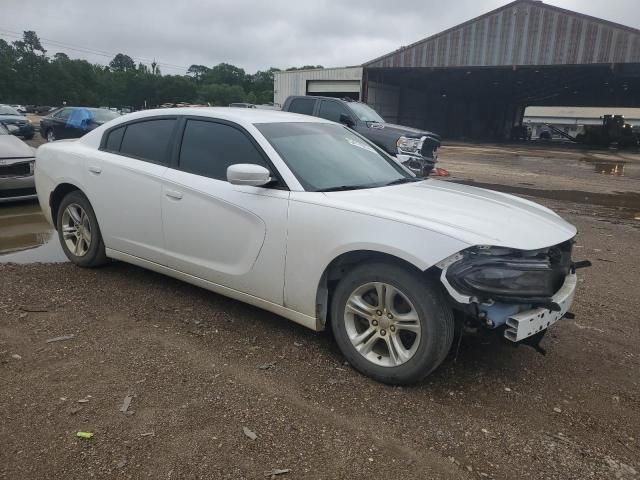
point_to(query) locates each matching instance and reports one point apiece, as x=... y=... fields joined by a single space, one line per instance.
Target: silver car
x=17 y=161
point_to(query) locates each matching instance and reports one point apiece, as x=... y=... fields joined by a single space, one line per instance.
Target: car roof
x=237 y=115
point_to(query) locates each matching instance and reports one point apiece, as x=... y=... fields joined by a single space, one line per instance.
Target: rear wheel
x=79 y=232
x=391 y=324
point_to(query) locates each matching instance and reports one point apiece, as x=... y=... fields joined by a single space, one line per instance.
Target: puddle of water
x=26 y=237
x=607 y=168
x=626 y=204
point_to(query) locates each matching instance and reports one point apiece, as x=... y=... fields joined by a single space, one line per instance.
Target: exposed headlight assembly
x=410 y=146
x=503 y=274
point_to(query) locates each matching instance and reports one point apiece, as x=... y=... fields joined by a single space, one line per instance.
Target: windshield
x=365 y=113
x=7 y=110
x=101 y=115
x=326 y=156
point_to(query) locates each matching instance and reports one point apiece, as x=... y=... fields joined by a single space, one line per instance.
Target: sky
x=253 y=34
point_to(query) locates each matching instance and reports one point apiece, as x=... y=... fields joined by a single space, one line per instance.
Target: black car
x=10 y=116
x=73 y=122
x=415 y=149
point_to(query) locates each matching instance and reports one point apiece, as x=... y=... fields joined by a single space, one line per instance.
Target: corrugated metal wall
x=522 y=33
x=295 y=81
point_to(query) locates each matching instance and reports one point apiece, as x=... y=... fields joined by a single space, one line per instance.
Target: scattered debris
x=83 y=400
x=125 y=403
x=440 y=172
x=61 y=338
x=557 y=410
x=16 y=356
x=587 y=327
x=297 y=344
x=249 y=433
x=122 y=463
x=507 y=389
x=147 y=434
x=484 y=430
x=86 y=435
x=75 y=410
x=276 y=471
x=23 y=315
x=267 y=366
x=34 y=308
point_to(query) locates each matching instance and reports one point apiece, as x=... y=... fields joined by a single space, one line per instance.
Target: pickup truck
x=415 y=149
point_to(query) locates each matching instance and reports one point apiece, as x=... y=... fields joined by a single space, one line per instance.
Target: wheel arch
x=339 y=266
x=56 y=196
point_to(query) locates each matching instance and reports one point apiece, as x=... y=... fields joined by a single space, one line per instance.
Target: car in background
x=73 y=122
x=16 y=167
x=20 y=108
x=11 y=116
x=415 y=149
x=242 y=105
x=310 y=220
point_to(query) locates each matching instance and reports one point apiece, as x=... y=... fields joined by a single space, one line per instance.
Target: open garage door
x=334 y=88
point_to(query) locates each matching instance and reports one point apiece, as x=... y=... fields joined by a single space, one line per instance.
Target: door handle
x=96 y=170
x=173 y=194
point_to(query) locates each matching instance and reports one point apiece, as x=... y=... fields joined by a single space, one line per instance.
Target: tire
x=76 y=218
x=29 y=137
x=50 y=136
x=412 y=295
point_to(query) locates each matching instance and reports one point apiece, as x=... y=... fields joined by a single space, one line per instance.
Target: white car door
x=125 y=189
x=230 y=235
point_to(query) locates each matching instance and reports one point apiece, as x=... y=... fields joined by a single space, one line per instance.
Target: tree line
x=29 y=76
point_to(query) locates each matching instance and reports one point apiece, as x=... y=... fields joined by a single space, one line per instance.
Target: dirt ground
x=200 y=368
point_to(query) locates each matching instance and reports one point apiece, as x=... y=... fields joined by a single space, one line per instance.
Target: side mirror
x=346 y=120
x=248 y=174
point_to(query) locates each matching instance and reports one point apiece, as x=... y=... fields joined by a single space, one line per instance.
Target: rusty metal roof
x=524 y=32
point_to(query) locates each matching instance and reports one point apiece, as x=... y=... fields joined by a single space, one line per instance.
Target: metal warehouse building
x=476 y=79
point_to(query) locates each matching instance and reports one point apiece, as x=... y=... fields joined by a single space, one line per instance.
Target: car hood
x=472 y=215
x=401 y=130
x=12 y=118
x=12 y=147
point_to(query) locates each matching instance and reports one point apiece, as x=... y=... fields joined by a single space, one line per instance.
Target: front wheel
x=392 y=324
x=51 y=137
x=79 y=232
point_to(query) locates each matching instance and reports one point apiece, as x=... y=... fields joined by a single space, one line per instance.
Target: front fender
x=323 y=233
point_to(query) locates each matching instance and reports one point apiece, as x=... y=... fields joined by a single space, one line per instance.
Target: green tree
x=122 y=63
x=197 y=72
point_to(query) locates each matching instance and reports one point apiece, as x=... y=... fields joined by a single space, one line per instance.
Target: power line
x=85 y=50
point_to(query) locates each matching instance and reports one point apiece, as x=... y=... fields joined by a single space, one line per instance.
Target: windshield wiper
x=343 y=188
x=403 y=180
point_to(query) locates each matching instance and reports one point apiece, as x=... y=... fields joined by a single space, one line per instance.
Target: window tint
x=114 y=139
x=63 y=114
x=332 y=110
x=302 y=105
x=148 y=140
x=209 y=148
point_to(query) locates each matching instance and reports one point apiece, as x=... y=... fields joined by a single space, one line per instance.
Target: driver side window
x=331 y=110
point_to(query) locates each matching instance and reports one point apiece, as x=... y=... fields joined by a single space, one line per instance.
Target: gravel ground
x=204 y=374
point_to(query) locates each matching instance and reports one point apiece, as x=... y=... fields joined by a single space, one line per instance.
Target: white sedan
x=307 y=219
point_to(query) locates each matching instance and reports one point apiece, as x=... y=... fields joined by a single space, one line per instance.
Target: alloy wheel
x=76 y=230
x=51 y=136
x=382 y=324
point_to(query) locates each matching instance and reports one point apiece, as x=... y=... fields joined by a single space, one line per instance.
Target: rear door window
x=148 y=140
x=302 y=105
x=114 y=139
x=209 y=148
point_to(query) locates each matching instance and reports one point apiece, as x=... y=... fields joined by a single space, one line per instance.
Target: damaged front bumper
x=509 y=290
x=529 y=322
